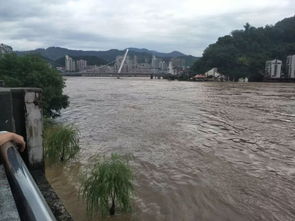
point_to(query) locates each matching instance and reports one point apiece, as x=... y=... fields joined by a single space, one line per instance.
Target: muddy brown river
x=201 y=151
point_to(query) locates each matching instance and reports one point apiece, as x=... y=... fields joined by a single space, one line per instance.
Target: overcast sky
x=163 y=25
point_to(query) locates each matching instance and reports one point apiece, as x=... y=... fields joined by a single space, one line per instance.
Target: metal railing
x=29 y=201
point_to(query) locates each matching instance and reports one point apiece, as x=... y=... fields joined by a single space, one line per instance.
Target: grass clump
x=61 y=142
x=109 y=186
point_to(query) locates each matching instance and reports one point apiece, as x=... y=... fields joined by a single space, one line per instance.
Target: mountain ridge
x=157 y=53
x=55 y=53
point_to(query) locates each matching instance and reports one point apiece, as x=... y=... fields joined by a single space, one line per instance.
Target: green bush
x=61 y=142
x=109 y=186
x=33 y=71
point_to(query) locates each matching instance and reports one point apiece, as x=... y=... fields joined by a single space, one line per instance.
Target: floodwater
x=201 y=151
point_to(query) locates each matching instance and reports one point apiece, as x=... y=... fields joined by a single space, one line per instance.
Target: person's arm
x=7 y=136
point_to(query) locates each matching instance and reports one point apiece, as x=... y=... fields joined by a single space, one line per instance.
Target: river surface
x=201 y=151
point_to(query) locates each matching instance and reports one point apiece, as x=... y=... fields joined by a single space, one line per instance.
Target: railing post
x=34 y=129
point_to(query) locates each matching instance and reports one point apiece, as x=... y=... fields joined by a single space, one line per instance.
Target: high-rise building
x=155 y=64
x=171 y=70
x=70 y=64
x=290 y=66
x=154 y=61
x=273 y=68
x=135 y=60
x=163 y=66
x=67 y=63
x=81 y=65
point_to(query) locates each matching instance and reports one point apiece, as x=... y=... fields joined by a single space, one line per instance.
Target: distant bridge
x=122 y=74
x=113 y=74
x=143 y=72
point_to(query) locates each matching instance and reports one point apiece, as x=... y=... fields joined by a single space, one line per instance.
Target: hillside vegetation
x=243 y=53
x=55 y=55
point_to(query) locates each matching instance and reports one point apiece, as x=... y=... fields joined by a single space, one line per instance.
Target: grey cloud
x=32 y=23
x=11 y=10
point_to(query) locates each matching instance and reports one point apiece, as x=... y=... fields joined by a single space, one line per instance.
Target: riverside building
x=81 y=65
x=70 y=64
x=290 y=66
x=273 y=68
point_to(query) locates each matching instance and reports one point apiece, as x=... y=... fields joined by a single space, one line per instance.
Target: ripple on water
x=201 y=151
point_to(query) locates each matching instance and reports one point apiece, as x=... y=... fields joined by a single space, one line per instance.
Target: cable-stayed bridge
x=124 y=67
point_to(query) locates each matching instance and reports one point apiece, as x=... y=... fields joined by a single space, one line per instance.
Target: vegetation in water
x=243 y=53
x=109 y=186
x=61 y=142
x=33 y=71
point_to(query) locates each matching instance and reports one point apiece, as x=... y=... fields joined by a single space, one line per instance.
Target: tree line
x=243 y=53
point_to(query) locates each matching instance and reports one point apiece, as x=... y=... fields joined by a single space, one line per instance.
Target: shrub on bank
x=61 y=142
x=109 y=186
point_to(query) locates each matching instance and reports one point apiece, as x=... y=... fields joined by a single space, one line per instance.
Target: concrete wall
x=21 y=113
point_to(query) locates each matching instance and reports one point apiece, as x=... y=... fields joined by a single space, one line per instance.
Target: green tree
x=109 y=186
x=33 y=71
x=244 y=52
x=61 y=142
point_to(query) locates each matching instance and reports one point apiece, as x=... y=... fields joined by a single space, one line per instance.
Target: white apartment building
x=70 y=64
x=171 y=69
x=290 y=66
x=81 y=65
x=155 y=62
x=163 y=66
x=212 y=73
x=273 y=68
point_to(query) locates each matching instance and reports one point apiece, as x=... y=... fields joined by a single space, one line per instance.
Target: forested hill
x=55 y=55
x=243 y=53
